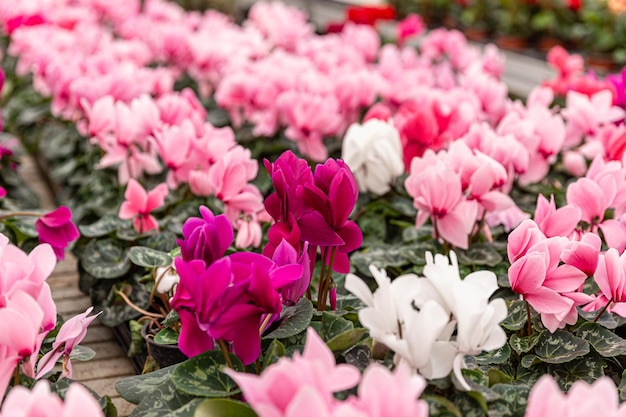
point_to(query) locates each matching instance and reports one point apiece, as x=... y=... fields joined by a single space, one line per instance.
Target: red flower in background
x=363 y=15
x=369 y=15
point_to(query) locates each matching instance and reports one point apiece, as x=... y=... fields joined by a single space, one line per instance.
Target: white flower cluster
x=432 y=322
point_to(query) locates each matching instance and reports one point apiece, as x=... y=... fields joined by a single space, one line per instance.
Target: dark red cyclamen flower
x=288 y=173
x=206 y=238
x=56 y=228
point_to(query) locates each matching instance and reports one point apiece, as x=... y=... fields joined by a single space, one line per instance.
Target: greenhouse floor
x=110 y=363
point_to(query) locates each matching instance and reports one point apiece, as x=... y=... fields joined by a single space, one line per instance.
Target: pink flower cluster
x=28 y=314
x=456 y=189
x=22 y=402
x=95 y=68
x=307 y=383
x=582 y=399
x=552 y=255
x=571 y=75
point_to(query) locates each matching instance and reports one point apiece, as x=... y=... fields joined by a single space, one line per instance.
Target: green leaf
x=149 y=258
x=223 y=407
x=105 y=258
x=165 y=400
x=171 y=318
x=516 y=317
x=514 y=396
x=529 y=360
x=82 y=353
x=622 y=387
x=588 y=369
x=604 y=341
x=333 y=325
x=483 y=254
x=274 y=351
x=496 y=376
x=115 y=311
x=524 y=344
x=134 y=388
x=608 y=320
x=202 y=375
x=359 y=356
x=494 y=357
x=560 y=347
x=293 y=320
x=102 y=227
x=440 y=406
x=166 y=336
x=346 y=340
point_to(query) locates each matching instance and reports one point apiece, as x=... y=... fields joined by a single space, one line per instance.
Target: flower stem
x=20 y=214
x=264 y=324
x=16 y=376
x=225 y=352
x=136 y=307
x=529 y=319
x=603 y=310
x=325 y=284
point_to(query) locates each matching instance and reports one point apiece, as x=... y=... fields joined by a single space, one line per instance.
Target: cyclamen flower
x=206 y=238
x=228 y=300
x=610 y=276
x=139 y=204
x=582 y=400
x=71 y=333
x=309 y=380
x=416 y=317
x=57 y=229
x=22 y=402
x=373 y=152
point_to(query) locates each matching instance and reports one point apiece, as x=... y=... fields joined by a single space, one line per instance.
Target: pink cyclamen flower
x=56 y=228
x=139 y=204
x=411 y=26
x=610 y=276
x=22 y=402
x=598 y=399
x=307 y=383
x=71 y=333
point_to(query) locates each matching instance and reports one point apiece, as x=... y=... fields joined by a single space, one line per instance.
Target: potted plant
x=512 y=18
x=553 y=21
x=597 y=35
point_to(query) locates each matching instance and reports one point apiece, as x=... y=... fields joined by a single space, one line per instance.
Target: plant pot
x=602 y=63
x=548 y=42
x=476 y=34
x=511 y=42
x=164 y=355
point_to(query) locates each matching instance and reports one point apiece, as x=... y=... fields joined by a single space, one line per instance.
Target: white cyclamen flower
x=373 y=151
x=418 y=334
x=166 y=278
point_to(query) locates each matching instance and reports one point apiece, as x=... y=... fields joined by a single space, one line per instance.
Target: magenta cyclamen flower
x=139 y=204
x=229 y=300
x=56 y=228
x=331 y=199
x=206 y=238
